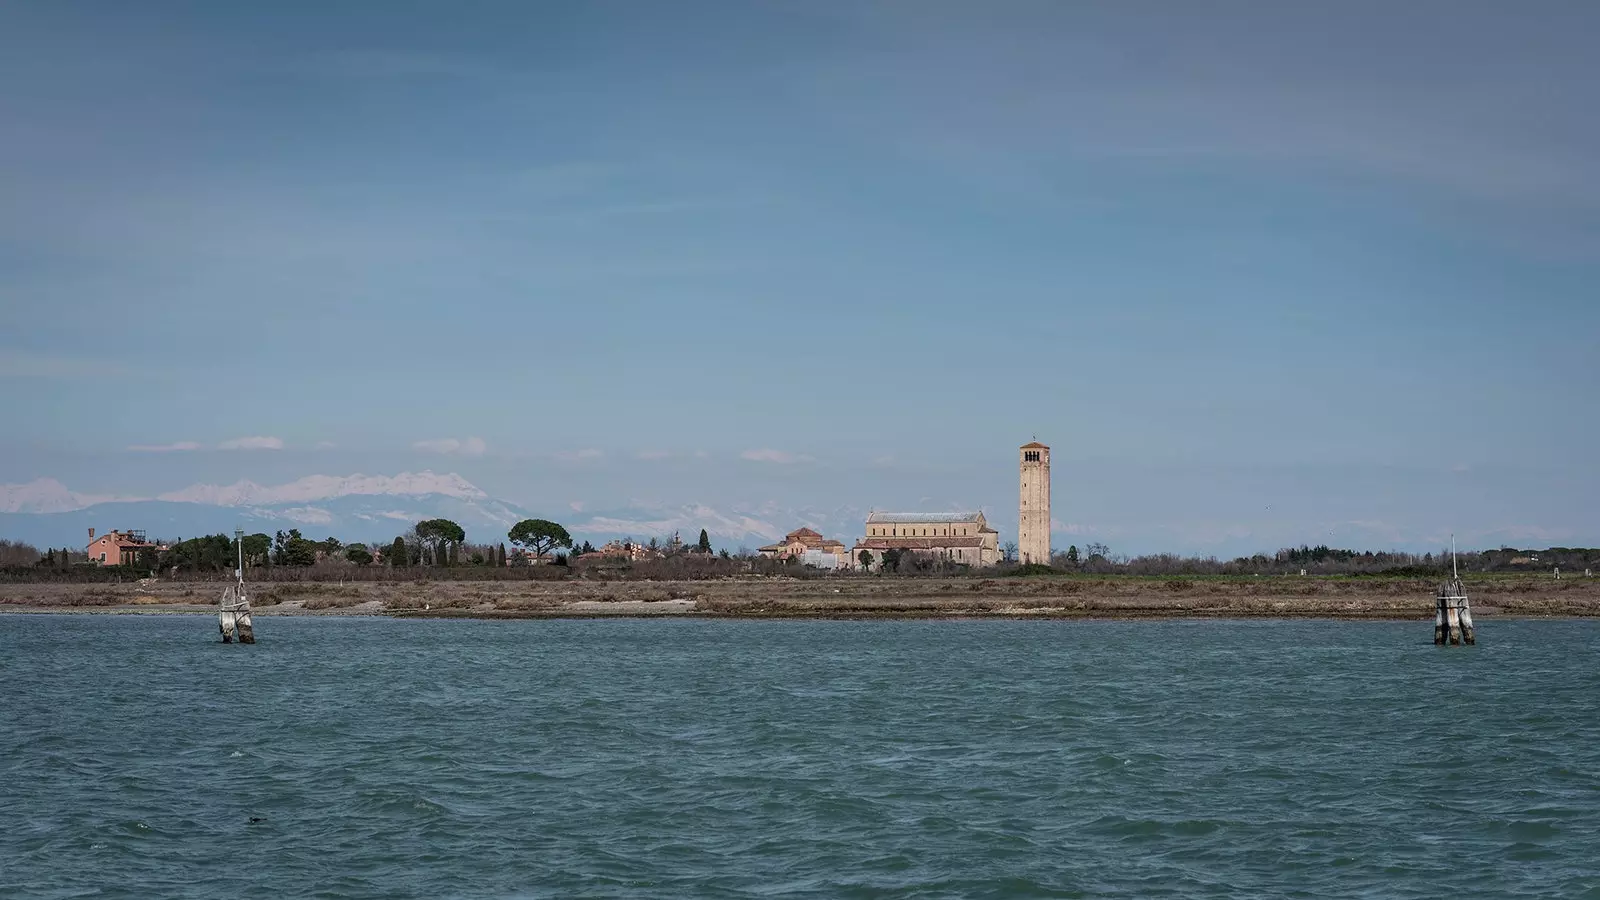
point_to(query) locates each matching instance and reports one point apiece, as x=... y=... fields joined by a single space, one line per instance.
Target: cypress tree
x=705 y=541
x=397 y=552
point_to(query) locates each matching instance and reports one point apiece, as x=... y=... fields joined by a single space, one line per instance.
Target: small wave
x=133 y=828
x=1532 y=831
x=1139 y=828
x=1525 y=852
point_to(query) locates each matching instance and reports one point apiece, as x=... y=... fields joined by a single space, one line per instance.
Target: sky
x=1260 y=274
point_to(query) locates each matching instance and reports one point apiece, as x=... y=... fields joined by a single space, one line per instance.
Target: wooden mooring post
x=1452 y=612
x=1452 y=616
x=234 y=615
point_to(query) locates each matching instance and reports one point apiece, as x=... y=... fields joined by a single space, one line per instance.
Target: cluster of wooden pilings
x=234 y=617
x=1452 y=615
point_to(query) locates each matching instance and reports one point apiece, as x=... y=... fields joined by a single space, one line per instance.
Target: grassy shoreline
x=1052 y=597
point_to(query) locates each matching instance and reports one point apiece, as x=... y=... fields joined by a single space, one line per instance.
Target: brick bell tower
x=1033 y=509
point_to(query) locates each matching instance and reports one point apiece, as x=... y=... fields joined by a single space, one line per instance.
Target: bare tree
x=16 y=553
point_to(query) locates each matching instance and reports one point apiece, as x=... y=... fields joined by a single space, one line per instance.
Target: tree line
x=431 y=542
x=1098 y=559
x=440 y=544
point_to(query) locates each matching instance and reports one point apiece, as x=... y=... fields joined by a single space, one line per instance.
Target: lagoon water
x=140 y=757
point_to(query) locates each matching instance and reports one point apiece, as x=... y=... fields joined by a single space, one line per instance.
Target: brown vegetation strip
x=857 y=597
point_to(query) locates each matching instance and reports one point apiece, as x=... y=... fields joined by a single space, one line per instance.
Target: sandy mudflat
x=835 y=597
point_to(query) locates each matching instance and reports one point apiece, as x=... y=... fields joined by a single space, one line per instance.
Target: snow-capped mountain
x=45 y=495
x=730 y=528
x=327 y=487
x=354 y=507
x=376 y=508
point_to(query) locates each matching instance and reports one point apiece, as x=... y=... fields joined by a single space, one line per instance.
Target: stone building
x=628 y=550
x=1033 y=507
x=808 y=545
x=958 y=537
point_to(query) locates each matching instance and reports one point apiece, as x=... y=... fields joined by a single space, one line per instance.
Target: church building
x=958 y=537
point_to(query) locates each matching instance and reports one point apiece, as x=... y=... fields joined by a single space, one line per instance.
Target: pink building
x=117 y=548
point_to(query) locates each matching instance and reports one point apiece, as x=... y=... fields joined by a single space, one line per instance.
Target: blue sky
x=1260 y=273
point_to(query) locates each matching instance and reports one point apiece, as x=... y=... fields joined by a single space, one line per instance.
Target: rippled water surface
x=365 y=757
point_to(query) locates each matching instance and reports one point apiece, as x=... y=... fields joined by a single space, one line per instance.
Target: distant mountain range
x=373 y=508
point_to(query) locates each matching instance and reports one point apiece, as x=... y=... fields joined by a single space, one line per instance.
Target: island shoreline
x=840 y=599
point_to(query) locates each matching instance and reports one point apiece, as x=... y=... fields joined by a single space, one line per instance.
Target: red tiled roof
x=1035 y=446
x=116 y=540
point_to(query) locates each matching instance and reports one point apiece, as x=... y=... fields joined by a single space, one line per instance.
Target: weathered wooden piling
x=234 y=616
x=1452 y=616
x=1452 y=612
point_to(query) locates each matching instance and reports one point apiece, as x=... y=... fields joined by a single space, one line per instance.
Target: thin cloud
x=564 y=180
x=178 y=447
x=587 y=453
x=652 y=454
x=372 y=64
x=1519 y=533
x=252 y=443
x=17 y=364
x=768 y=455
x=472 y=446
